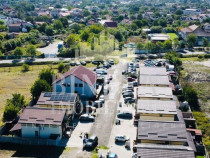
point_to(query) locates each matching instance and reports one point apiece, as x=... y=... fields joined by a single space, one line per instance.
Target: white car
x=121 y=138
x=101 y=98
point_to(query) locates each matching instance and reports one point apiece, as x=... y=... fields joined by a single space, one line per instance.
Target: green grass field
x=173 y=36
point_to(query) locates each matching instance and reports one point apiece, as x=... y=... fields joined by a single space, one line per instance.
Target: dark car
x=128 y=94
x=129 y=100
x=125 y=114
x=73 y=63
x=87 y=117
x=91 y=143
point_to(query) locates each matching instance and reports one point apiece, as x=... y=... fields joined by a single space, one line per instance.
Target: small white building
x=41 y=123
x=192 y=11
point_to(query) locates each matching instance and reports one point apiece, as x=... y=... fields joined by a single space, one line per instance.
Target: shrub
x=10 y=112
x=25 y=67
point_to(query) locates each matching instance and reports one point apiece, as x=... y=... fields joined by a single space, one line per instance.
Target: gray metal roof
x=153 y=80
x=164 y=153
x=156 y=106
x=159 y=130
x=159 y=71
x=155 y=92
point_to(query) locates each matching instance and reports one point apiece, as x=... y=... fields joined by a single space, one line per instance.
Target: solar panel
x=62 y=97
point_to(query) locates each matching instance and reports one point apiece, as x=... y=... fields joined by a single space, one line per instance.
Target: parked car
x=121 y=138
x=135 y=84
x=112 y=155
x=89 y=109
x=128 y=88
x=91 y=143
x=128 y=94
x=107 y=80
x=98 y=103
x=130 y=79
x=127 y=91
x=111 y=62
x=101 y=98
x=110 y=77
x=129 y=100
x=73 y=63
x=123 y=72
x=86 y=117
x=83 y=63
x=137 y=65
x=125 y=114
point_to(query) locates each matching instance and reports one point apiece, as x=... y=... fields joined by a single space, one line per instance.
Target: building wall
x=44 y=131
x=85 y=92
x=161 y=142
x=157 y=117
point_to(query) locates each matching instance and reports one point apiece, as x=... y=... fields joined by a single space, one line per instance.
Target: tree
x=38 y=87
x=179 y=12
x=25 y=67
x=17 y=100
x=191 y=40
x=191 y=97
x=57 y=25
x=10 y=112
x=64 y=21
x=71 y=40
x=96 y=29
x=162 y=22
x=49 y=30
x=205 y=42
x=18 y=51
x=139 y=46
x=118 y=35
x=31 y=50
x=42 y=27
x=84 y=36
x=86 y=13
x=138 y=23
x=156 y=29
x=149 y=46
x=61 y=67
x=158 y=46
x=167 y=44
x=47 y=75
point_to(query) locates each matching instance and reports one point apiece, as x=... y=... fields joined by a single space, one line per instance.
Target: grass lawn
x=14 y=80
x=173 y=36
x=190 y=59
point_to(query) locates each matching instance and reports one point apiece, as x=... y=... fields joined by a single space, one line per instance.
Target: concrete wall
x=85 y=92
x=28 y=131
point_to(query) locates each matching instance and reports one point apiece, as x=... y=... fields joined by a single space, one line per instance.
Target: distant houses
x=201 y=33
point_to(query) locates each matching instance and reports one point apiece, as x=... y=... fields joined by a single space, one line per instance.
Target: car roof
x=92 y=137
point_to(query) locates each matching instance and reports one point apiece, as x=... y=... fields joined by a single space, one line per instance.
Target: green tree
x=205 y=42
x=191 y=97
x=49 y=30
x=10 y=112
x=42 y=27
x=57 y=25
x=25 y=67
x=17 y=100
x=118 y=35
x=86 y=13
x=179 y=12
x=139 y=46
x=64 y=21
x=191 y=40
x=71 y=40
x=162 y=22
x=47 y=75
x=61 y=67
x=31 y=50
x=84 y=36
x=38 y=87
x=167 y=44
x=18 y=51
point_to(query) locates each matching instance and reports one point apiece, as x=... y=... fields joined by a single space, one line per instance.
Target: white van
x=106 y=90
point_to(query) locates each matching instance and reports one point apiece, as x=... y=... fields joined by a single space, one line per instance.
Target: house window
x=36 y=134
x=76 y=85
x=75 y=92
x=80 y=85
x=63 y=84
x=68 y=84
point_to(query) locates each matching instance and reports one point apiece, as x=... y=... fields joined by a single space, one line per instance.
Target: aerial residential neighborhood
x=105 y=79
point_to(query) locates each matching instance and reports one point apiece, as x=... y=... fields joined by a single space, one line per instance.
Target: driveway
x=51 y=50
x=105 y=116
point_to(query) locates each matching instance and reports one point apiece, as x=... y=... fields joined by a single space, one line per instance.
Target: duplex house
x=158 y=37
x=65 y=101
x=15 y=27
x=192 y=11
x=165 y=133
x=154 y=93
x=156 y=110
x=78 y=80
x=153 y=71
x=154 y=80
x=163 y=151
x=201 y=33
x=110 y=24
x=41 y=123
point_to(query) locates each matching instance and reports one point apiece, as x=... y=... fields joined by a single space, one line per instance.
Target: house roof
x=42 y=116
x=16 y=24
x=158 y=152
x=159 y=71
x=197 y=131
x=162 y=131
x=189 y=29
x=55 y=98
x=110 y=24
x=155 y=92
x=81 y=73
x=153 y=80
x=156 y=106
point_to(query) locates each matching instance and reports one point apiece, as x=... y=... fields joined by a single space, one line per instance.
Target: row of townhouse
x=161 y=126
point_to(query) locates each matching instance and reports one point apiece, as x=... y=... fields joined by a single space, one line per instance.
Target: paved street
x=105 y=119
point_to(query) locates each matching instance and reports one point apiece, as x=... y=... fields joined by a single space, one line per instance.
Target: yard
x=14 y=80
x=173 y=36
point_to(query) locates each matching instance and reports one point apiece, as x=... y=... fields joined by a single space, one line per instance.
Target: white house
x=192 y=11
x=78 y=80
x=41 y=123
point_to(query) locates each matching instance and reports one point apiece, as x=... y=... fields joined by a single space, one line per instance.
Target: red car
x=130 y=79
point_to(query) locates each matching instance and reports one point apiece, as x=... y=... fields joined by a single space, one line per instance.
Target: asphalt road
x=102 y=127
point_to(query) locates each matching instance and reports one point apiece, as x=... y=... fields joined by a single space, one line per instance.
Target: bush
x=191 y=97
x=10 y=112
x=61 y=67
x=25 y=67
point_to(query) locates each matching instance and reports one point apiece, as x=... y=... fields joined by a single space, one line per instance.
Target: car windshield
x=90 y=140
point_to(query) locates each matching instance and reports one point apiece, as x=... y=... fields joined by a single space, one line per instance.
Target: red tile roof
x=111 y=24
x=81 y=73
x=197 y=131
